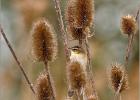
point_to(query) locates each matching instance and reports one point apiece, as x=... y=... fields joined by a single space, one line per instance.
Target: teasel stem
x=89 y=70
x=118 y=97
x=49 y=79
x=62 y=29
x=80 y=42
x=130 y=40
x=128 y=51
x=16 y=59
x=88 y=55
x=93 y=84
x=77 y=95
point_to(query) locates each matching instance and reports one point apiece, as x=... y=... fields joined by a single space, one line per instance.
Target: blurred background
x=107 y=46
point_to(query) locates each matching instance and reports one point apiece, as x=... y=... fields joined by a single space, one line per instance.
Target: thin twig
x=128 y=50
x=77 y=95
x=118 y=97
x=16 y=59
x=93 y=84
x=63 y=32
x=88 y=56
x=89 y=70
x=49 y=79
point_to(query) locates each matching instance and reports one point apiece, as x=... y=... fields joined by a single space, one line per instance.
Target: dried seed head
x=79 y=17
x=76 y=75
x=84 y=13
x=44 y=41
x=128 y=25
x=43 y=88
x=117 y=72
x=70 y=15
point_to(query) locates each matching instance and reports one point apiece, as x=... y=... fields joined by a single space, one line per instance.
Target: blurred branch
x=16 y=59
x=63 y=32
x=49 y=79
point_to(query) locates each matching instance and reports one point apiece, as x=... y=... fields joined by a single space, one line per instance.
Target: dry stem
x=49 y=79
x=63 y=32
x=16 y=59
x=89 y=70
x=88 y=55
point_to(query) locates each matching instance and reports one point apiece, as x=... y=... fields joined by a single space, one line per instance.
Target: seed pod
x=44 y=41
x=117 y=72
x=128 y=25
x=79 y=17
x=76 y=76
x=44 y=91
x=84 y=13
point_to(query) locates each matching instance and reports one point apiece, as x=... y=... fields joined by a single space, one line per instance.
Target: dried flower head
x=117 y=72
x=128 y=25
x=79 y=17
x=44 y=41
x=44 y=91
x=76 y=75
x=84 y=13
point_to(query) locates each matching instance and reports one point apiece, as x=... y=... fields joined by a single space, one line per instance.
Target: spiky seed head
x=44 y=91
x=79 y=17
x=117 y=72
x=76 y=75
x=44 y=41
x=84 y=13
x=70 y=16
x=128 y=25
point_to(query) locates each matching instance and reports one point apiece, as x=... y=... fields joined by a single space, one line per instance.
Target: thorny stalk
x=77 y=95
x=128 y=51
x=88 y=55
x=130 y=40
x=89 y=69
x=63 y=32
x=118 y=97
x=16 y=59
x=49 y=79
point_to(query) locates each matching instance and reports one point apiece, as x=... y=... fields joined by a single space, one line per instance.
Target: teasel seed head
x=76 y=76
x=79 y=17
x=117 y=72
x=128 y=25
x=44 y=91
x=84 y=13
x=70 y=16
x=44 y=41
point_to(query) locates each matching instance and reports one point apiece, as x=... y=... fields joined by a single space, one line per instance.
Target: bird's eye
x=74 y=49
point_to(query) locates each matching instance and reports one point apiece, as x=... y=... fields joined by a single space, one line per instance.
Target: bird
x=78 y=54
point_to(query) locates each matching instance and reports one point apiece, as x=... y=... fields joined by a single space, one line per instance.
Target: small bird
x=78 y=54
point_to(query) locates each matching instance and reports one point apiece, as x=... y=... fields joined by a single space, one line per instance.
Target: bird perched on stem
x=78 y=54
